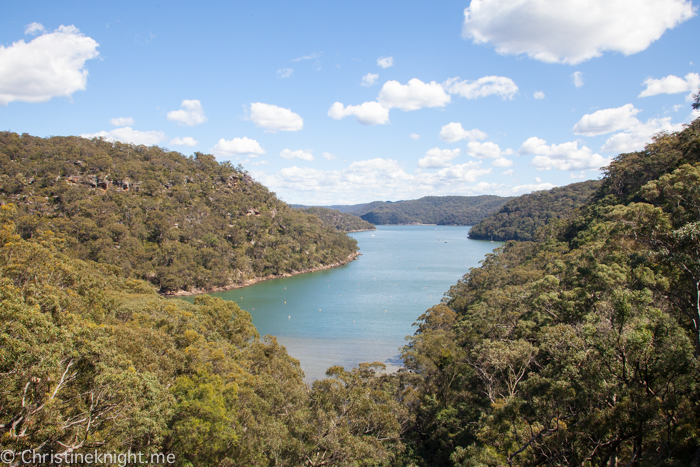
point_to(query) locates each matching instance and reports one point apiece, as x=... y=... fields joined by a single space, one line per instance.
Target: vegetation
x=180 y=223
x=341 y=221
x=520 y=217
x=90 y=360
x=440 y=210
x=581 y=348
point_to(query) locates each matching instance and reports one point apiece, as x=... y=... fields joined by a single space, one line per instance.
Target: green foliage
x=520 y=217
x=341 y=221
x=440 y=210
x=180 y=223
x=581 y=349
x=92 y=361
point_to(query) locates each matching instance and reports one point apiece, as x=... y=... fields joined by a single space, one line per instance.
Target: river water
x=362 y=311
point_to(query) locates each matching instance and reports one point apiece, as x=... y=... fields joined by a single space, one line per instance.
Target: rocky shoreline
x=255 y=280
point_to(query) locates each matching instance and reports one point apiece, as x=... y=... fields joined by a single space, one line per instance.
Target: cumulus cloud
x=298 y=154
x=565 y=156
x=574 y=31
x=672 y=85
x=34 y=29
x=522 y=189
x=129 y=135
x=486 y=150
x=482 y=87
x=607 y=121
x=191 y=113
x=329 y=156
x=367 y=113
x=414 y=136
x=437 y=158
x=51 y=65
x=385 y=62
x=538 y=95
x=502 y=162
x=453 y=132
x=369 y=79
x=577 y=78
x=185 y=141
x=274 y=118
x=639 y=135
x=237 y=147
x=412 y=96
x=375 y=179
x=122 y=121
x=284 y=72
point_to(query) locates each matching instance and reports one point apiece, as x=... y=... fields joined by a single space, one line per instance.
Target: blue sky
x=349 y=102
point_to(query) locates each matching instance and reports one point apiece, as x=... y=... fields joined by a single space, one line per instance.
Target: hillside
x=179 y=222
x=582 y=348
x=519 y=218
x=441 y=210
x=341 y=221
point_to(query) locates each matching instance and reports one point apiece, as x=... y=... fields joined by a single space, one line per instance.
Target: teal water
x=362 y=311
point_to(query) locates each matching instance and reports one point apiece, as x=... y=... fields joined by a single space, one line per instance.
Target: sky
x=351 y=102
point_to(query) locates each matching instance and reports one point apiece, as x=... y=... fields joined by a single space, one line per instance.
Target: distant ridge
x=440 y=210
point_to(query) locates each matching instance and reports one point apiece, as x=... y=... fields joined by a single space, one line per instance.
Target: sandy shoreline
x=255 y=280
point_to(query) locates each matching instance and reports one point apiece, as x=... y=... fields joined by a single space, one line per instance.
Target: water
x=362 y=311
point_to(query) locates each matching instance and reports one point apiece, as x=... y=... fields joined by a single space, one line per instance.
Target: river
x=362 y=311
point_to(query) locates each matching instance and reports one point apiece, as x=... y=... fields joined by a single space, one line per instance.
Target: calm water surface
x=362 y=312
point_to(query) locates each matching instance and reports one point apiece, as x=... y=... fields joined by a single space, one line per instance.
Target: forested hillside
x=441 y=210
x=178 y=222
x=581 y=349
x=520 y=217
x=93 y=362
x=341 y=221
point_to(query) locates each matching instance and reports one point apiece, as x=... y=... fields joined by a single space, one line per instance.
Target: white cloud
x=50 y=65
x=565 y=156
x=578 y=79
x=538 y=95
x=329 y=156
x=573 y=31
x=129 y=135
x=502 y=162
x=482 y=87
x=298 y=154
x=607 y=120
x=274 y=118
x=191 y=113
x=453 y=132
x=672 y=85
x=508 y=172
x=122 y=121
x=261 y=163
x=311 y=56
x=237 y=147
x=385 y=62
x=467 y=172
x=412 y=96
x=34 y=29
x=414 y=136
x=487 y=149
x=284 y=72
x=369 y=79
x=522 y=189
x=438 y=158
x=186 y=141
x=639 y=135
x=367 y=113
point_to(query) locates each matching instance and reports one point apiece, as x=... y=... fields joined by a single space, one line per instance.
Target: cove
x=362 y=311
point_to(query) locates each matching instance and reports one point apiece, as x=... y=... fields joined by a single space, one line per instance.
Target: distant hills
x=440 y=210
x=519 y=218
x=341 y=221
